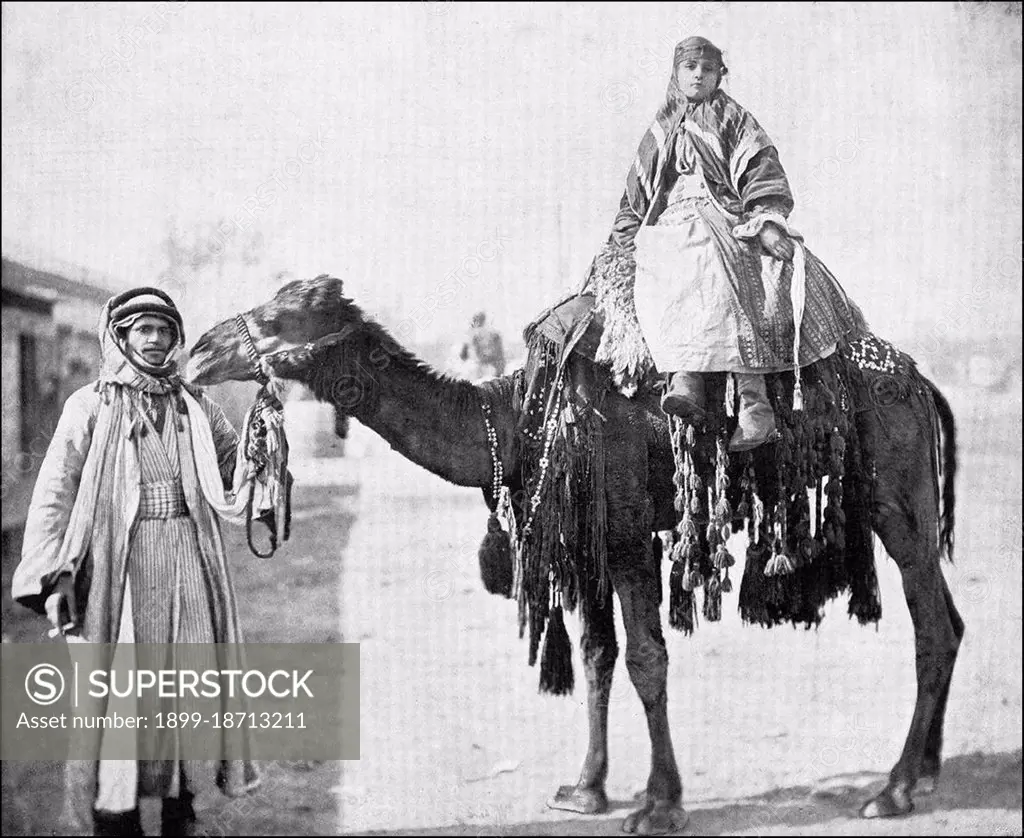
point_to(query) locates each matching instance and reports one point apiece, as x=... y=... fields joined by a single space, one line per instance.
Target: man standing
x=123 y=544
x=483 y=351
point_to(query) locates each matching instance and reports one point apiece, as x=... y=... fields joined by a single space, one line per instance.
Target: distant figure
x=482 y=354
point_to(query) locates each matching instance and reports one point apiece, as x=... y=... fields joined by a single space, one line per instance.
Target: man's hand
x=775 y=241
x=61 y=606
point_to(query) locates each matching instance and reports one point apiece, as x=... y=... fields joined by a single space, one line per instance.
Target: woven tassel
x=743 y=510
x=713 y=601
x=556 y=675
x=688 y=529
x=779 y=565
x=495 y=556
x=692 y=578
x=757 y=518
x=682 y=611
x=723 y=512
x=754 y=587
x=730 y=395
x=723 y=558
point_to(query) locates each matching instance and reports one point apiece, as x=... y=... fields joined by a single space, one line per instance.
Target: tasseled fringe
x=723 y=559
x=556 y=675
x=682 y=607
x=559 y=536
x=536 y=621
x=622 y=344
x=754 y=586
x=713 y=601
x=730 y=395
x=778 y=565
x=802 y=551
x=495 y=556
x=865 y=596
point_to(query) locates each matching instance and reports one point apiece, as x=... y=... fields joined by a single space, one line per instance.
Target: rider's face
x=698 y=78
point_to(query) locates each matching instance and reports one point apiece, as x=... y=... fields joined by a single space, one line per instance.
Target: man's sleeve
x=225 y=440
x=53 y=498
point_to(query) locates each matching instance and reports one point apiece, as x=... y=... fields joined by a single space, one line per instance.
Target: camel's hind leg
x=931 y=762
x=599 y=651
x=905 y=514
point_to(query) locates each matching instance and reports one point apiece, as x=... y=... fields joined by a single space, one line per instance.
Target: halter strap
x=260 y=363
x=250 y=349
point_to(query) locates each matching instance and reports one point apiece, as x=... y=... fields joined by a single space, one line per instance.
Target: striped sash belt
x=163 y=499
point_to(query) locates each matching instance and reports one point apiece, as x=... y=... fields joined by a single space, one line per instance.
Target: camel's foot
x=926 y=785
x=581 y=800
x=656 y=818
x=890 y=802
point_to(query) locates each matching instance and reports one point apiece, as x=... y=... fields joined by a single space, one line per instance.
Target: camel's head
x=300 y=313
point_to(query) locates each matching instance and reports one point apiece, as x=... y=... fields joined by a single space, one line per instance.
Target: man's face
x=150 y=339
x=698 y=78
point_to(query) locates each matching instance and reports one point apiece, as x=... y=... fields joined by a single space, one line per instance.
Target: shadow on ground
x=969 y=782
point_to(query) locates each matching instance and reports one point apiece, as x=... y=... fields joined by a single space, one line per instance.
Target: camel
x=310 y=332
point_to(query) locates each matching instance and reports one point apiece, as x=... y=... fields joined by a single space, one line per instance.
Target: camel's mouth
x=217 y=357
x=199 y=369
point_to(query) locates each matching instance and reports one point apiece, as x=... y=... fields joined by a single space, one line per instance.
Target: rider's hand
x=61 y=606
x=775 y=241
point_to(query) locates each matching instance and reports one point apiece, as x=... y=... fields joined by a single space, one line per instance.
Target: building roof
x=28 y=281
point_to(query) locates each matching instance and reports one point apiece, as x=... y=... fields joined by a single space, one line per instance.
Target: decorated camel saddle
x=804 y=499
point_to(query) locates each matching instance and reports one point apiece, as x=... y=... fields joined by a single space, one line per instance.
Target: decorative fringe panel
x=803 y=501
x=559 y=524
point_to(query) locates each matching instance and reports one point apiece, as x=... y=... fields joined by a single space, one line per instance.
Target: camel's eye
x=267 y=326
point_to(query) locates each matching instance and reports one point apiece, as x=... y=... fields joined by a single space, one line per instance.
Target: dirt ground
x=781 y=732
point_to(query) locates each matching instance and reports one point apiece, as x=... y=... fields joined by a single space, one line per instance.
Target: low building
x=50 y=349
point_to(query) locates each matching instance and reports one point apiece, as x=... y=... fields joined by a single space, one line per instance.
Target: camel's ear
x=333 y=280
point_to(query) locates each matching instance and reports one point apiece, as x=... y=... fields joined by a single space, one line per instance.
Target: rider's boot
x=756 y=422
x=684 y=396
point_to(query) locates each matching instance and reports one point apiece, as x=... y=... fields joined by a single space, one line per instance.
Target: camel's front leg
x=637 y=584
x=599 y=651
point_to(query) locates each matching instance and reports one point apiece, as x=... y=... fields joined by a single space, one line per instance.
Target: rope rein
x=257 y=451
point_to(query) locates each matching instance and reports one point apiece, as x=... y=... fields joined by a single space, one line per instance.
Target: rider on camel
x=720 y=275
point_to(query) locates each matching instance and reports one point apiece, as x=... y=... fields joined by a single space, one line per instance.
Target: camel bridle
x=263 y=365
x=255 y=446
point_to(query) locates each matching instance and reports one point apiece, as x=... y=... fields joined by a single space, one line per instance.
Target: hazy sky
x=395 y=144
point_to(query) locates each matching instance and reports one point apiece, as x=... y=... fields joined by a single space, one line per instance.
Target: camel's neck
x=434 y=421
